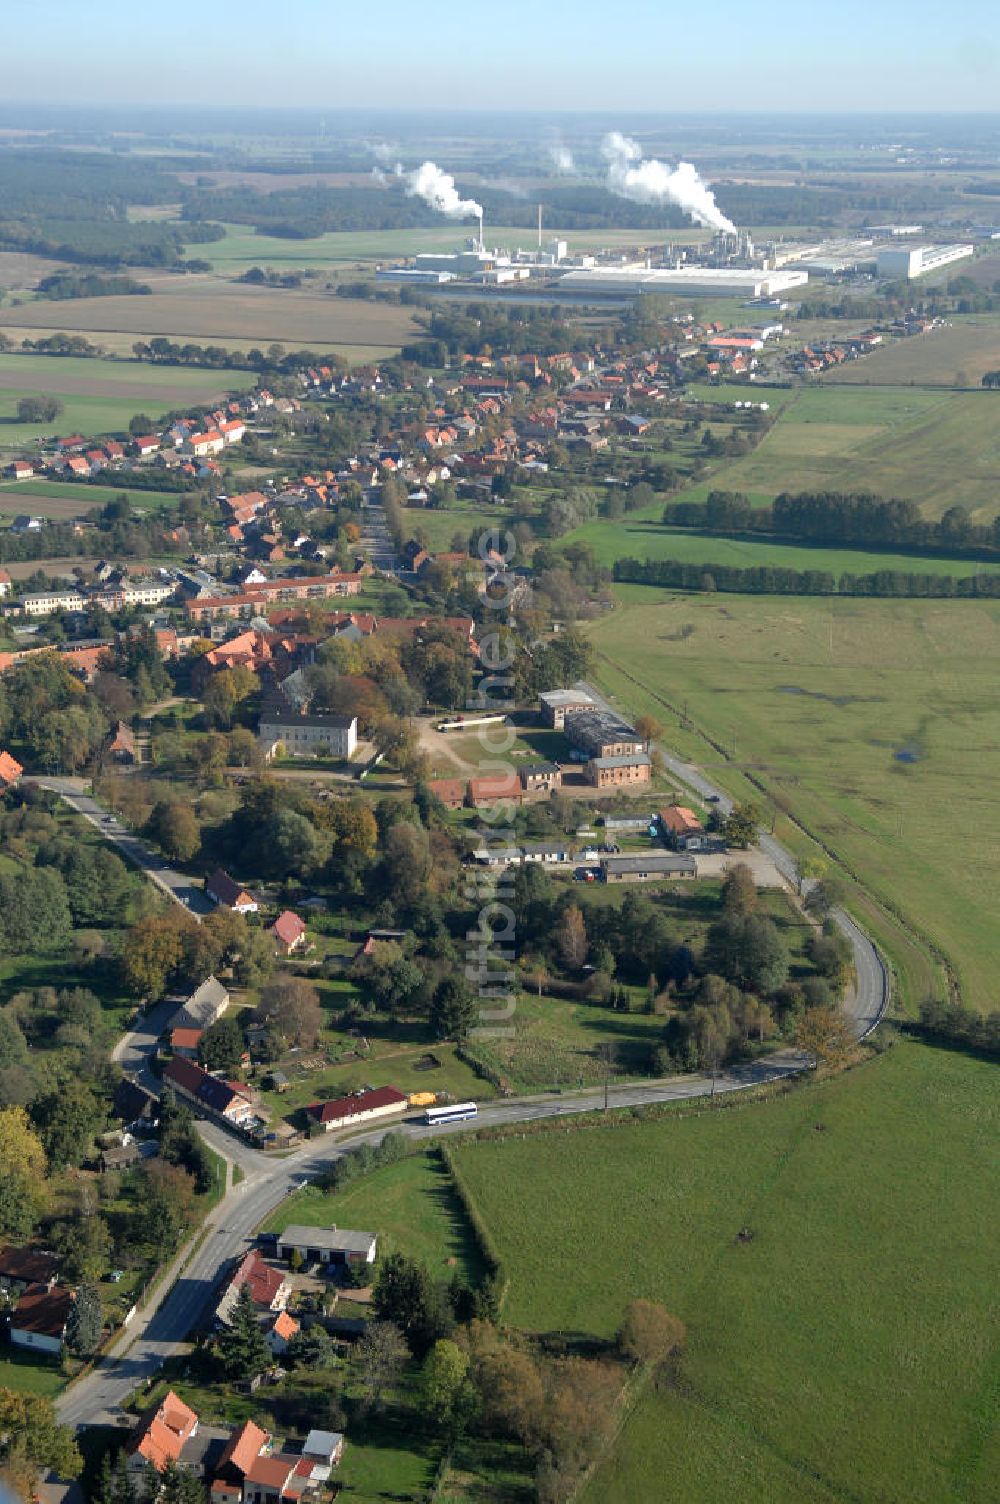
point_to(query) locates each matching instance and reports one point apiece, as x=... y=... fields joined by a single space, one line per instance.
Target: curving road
x=183 y=1296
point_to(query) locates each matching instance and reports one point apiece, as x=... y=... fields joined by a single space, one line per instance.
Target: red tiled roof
x=244 y=1447
x=264 y=1281
x=288 y=928
x=345 y=1108
x=679 y=820
x=164 y=1430
x=42 y=1310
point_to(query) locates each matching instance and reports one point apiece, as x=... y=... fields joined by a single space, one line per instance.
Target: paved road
x=176 y=885
x=229 y=1230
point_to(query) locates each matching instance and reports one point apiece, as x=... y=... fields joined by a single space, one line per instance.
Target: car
x=711 y=798
x=585 y=875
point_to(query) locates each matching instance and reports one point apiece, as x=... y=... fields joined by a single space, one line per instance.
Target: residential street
x=176 y=885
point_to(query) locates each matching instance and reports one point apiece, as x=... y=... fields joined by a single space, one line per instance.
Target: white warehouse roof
x=718 y=281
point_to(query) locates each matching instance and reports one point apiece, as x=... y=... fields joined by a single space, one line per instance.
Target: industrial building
x=917 y=260
x=686 y=281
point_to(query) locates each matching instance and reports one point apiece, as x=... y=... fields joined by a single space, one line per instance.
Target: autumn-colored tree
x=291 y=1005
x=649 y=1333
x=31 y=1441
x=825 y=1033
x=381 y=1352
x=741 y=825
x=571 y=937
x=174 y=828
x=511 y=1394
x=739 y=891
x=150 y=954
x=22 y=1173
x=649 y=728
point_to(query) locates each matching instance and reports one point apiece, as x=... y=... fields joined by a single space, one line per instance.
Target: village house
x=289 y=932
x=495 y=788
x=540 y=777
x=120 y=746
x=280 y=1332
x=451 y=791
x=185 y=1041
x=6 y=583
x=269 y=1287
x=203 y=1008
x=681 y=828
x=363 y=1107
x=228 y=894
x=39 y=1319
x=228 y=1100
x=23 y=1267
x=161 y=1435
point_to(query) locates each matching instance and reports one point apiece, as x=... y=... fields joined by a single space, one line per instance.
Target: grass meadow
x=936 y=448
x=100 y=396
x=58 y=500
x=958 y=355
x=874 y=723
x=844 y=1352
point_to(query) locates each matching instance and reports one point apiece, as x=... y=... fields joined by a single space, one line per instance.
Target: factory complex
x=728 y=265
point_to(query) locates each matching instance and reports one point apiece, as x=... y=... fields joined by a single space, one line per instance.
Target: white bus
x=453 y=1114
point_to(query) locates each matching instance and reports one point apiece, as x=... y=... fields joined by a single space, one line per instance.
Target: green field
x=57 y=500
x=939 y=449
x=100 y=396
x=650 y=540
x=874 y=722
x=243 y=247
x=957 y=355
x=844 y=1353
x=28 y=1374
x=410 y=1205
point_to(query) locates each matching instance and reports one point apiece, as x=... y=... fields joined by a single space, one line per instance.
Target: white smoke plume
x=562 y=160
x=383 y=151
x=438 y=189
x=649 y=181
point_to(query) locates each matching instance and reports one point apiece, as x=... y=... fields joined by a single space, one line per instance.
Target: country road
x=183 y=1297
x=176 y=885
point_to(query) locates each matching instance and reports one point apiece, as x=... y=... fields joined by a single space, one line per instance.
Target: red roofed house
x=120 y=746
x=185 y=1042
x=10 y=772
x=681 y=828
x=148 y=444
x=268 y=1286
x=450 y=791
x=229 y=1100
x=273 y=1479
x=6 y=583
x=161 y=1434
x=289 y=932
x=494 y=788
x=241 y=1451
x=344 y=1112
x=281 y=1331
x=39 y=1321
x=229 y=895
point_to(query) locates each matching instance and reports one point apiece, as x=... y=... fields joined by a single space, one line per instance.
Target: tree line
x=891 y=584
x=852 y=518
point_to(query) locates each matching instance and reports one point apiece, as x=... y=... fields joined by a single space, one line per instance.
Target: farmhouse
x=229 y=895
x=39 y=1321
x=610 y=772
x=364 y=1107
x=120 y=746
x=185 y=1042
x=289 y=932
x=6 y=583
x=495 y=788
x=281 y=1331
x=228 y=1100
x=681 y=828
x=307 y=735
x=555 y=703
x=327 y=1245
x=651 y=867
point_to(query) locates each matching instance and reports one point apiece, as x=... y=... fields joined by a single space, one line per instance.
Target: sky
x=644 y=55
